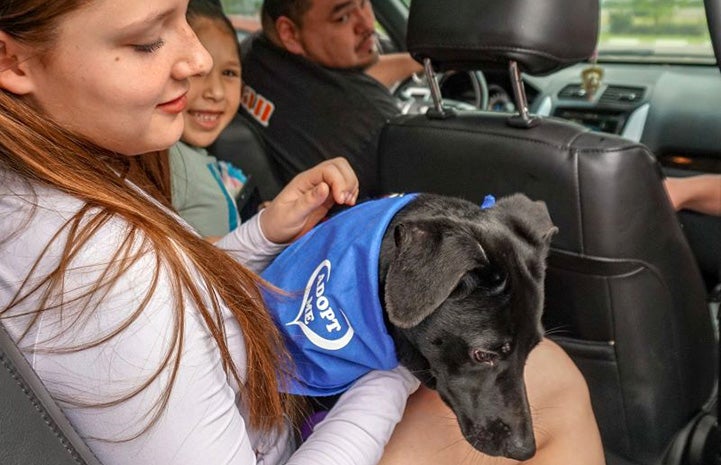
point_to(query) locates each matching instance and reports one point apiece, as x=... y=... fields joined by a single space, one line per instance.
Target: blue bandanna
x=332 y=320
x=488 y=202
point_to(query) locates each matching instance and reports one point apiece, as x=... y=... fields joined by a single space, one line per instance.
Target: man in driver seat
x=316 y=86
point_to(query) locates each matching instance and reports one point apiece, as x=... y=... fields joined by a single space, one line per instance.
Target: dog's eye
x=495 y=280
x=483 y=356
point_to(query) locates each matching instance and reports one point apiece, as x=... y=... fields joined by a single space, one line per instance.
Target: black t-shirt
x=307 y=113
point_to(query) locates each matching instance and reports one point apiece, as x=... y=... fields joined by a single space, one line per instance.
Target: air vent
x=621 y=94
x=572 y=92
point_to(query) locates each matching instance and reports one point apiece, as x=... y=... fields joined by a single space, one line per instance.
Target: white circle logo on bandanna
x=325 y=326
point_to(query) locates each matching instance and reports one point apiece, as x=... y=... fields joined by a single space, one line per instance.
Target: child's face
x=213 y=99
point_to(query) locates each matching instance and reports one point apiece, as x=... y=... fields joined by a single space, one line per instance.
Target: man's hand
x=394 y=67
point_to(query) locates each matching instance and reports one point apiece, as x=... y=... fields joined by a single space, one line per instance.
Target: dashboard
x=675 y=110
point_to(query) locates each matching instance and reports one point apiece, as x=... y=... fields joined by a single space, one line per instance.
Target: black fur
x=463 y=294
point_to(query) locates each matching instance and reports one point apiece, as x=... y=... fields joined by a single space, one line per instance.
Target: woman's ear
x=13 y=66
x=288 y=34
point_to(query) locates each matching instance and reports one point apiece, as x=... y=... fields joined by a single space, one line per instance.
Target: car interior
x=630 y=311
x=512 y=100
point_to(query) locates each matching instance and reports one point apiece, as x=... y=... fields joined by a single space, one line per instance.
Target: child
x=203 y=188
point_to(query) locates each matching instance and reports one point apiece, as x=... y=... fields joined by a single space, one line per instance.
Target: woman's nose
x=195 y=59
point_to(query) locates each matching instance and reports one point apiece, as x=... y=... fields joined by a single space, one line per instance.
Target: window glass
x=242 y=7
x=671 y=29
x=244 y=14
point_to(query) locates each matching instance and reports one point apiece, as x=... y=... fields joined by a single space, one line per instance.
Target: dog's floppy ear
x=427 y=266
x=529 y=218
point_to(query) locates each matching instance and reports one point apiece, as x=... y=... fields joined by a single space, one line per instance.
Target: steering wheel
x=461 y=90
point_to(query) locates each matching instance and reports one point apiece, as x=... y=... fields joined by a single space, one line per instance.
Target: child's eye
x=149 y=48
x=343 y=19
x=231 y=73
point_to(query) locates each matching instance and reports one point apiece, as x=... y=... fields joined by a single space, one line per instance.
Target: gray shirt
x=198 y=193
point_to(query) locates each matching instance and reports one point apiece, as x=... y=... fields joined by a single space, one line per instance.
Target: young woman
x=154 y=341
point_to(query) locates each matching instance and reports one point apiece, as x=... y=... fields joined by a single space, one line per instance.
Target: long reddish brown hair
x=44 y=153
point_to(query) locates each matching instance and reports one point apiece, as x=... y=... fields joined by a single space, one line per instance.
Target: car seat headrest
x=542 y=36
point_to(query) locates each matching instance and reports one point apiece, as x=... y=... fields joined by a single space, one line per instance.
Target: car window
x=242 y=7
x=244 y=14
x=669 y=31
x=674 y=30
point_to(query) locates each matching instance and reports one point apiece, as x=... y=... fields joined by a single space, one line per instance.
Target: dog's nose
x=499 y=438
x=521 y=447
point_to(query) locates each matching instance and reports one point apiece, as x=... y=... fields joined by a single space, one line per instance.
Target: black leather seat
x=33 y=429
x=624 y=295
x=240 y=145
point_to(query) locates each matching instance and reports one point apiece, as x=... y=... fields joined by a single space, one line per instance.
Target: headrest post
x=435 y=88
x=523 y=119
x=437 y=112
x=518 y=90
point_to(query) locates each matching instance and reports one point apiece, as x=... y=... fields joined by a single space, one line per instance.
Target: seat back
x=624 y=295
x=242 y=146
x=33 y=429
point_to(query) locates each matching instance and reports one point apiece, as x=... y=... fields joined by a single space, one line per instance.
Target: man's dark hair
x=274 y=9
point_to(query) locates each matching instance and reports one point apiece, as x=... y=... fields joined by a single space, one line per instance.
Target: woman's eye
x=149 y=48
x=484 y=357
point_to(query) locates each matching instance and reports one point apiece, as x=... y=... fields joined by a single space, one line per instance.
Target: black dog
x=462 y=290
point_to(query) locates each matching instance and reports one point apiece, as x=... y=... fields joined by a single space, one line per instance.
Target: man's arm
x=393 y=67
x=700 y=193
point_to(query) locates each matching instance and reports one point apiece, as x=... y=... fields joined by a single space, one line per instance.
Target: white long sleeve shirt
x=204 y=421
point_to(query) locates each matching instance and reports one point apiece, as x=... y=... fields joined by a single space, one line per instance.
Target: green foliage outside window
x=655 y=17
x=242 y=7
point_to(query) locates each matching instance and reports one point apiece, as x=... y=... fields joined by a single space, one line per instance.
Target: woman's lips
x=206 y=119
x=174 y=106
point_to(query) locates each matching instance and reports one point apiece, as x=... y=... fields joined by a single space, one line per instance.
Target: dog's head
x=463 y=291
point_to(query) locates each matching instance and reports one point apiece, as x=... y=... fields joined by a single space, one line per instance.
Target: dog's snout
x=499 y=438
x=521 y=447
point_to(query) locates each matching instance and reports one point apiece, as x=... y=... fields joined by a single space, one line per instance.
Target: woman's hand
x=307 y=199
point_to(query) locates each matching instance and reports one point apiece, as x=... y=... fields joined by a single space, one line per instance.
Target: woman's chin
x=151 y=147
